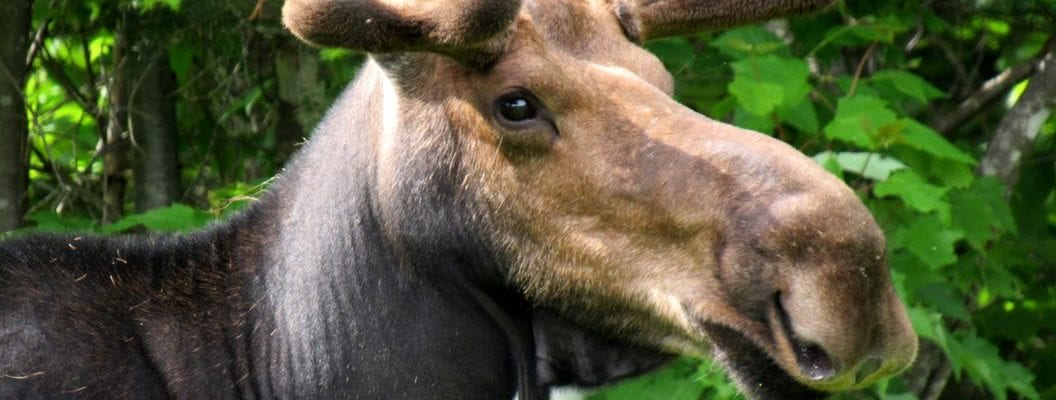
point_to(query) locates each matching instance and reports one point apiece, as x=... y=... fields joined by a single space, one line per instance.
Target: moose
x=506 y=200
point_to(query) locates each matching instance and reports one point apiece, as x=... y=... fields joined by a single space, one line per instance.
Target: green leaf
x=1020 y=380
x=100 y=45
x=713 y=378
x=778 y=82
x=175 y=218
x=874 y=166
x=801 y=116
x=676 y=53
x=949 y=173
x=981 y=212
x=50 y=221
x=928 y=324
x=923 y=138
x=759 y=98
x=751 y=121
x=929 y=240
x=748 y=41
x=908 y=84
x=910 y=274
x=828 y=161
x=860 y=120
x=944 y=299
x=331 y=54
x=915 y=193
x=180 y=59
x=671 y=383
x=982 y=361
x=148 y=5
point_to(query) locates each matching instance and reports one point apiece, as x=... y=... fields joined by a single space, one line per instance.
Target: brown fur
x=632 y=214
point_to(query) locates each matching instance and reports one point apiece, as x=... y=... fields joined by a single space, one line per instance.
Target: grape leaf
x=759 y=98
x=928 y=239
x=915 y=193
x=874 y=166
x=859 y=121
x=981 y=212
x=908 y=84
x=923 y=138
x=762 y=84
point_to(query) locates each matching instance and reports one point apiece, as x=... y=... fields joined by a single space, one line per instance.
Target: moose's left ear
x=382 y=26
x=653 y=19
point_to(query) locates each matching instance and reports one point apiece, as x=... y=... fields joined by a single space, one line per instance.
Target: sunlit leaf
x=874 y=166
x=859 y=121
x=669 y=383
x=175 y=218
x=761 y=84
x=759 y=98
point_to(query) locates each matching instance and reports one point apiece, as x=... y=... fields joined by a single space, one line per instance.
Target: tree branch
x=1016 y=133
x=990 y=91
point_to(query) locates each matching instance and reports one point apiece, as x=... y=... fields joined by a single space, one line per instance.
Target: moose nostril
x=866 y=369
x=813 y=361
x=811 y=358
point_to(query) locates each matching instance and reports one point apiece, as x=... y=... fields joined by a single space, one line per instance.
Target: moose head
x=546 y=137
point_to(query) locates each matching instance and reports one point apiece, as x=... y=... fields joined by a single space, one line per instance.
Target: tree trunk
x=1018 y=129
x=297 y=75
x=115 y=144
x=14 y=157
x=152 y=127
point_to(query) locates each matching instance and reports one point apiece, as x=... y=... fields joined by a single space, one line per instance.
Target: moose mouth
x=757 y=371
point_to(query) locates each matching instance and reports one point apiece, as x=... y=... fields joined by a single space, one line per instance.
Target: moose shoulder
x=506 y=199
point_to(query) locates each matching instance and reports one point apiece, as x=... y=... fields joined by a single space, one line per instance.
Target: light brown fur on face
x=629 y=213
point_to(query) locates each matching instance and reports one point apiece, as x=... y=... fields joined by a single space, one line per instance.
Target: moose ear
x=382 y=26
x=651 y=19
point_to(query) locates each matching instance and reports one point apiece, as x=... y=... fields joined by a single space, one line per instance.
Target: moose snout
x=799 y=243
x=840 y=326
x=826 y=366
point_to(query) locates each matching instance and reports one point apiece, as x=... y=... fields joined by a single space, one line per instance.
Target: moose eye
x=517 y=107
x=528 y=127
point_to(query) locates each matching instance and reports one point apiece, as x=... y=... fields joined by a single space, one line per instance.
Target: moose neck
x=353 y=310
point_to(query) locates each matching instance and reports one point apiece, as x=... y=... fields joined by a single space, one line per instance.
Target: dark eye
x=517 y=107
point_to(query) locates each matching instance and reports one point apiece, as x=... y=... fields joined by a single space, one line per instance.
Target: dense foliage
x=874 y=90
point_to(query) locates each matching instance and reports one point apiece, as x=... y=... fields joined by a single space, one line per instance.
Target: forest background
x=124 y=116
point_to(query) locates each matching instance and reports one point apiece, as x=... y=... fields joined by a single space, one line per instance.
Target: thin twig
x=53 y=67
x=257 y=10
x=860 y=68
x=38 y=42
